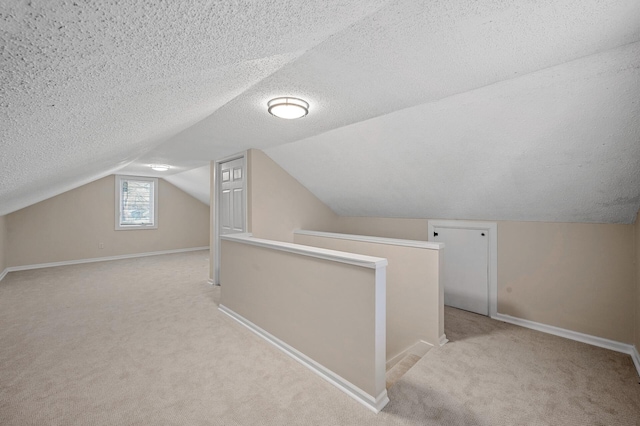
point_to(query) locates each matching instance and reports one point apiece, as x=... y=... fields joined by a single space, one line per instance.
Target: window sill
x=135 y=227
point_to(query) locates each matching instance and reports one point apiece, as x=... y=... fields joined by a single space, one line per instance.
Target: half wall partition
x=324 y=308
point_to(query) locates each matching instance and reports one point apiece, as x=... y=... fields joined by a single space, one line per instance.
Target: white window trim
x=118 y=189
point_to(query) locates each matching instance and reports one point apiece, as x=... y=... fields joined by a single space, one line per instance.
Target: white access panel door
x=232 y=197
x=466 y=268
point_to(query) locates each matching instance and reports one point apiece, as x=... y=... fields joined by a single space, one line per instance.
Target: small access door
x=466 y=266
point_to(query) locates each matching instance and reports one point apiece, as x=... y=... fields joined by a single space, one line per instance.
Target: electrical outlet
x=100 y=245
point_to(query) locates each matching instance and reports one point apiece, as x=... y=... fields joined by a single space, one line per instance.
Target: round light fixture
x=288 y=108
x=160 y=167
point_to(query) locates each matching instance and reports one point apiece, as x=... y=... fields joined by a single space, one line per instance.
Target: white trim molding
x=99 y=259
x=635 y=356
x=4 y=273
x=216 y=201
x=366 y=238
x=574 y=335
x=332 y=255
x=492 y=230
x=420 y=348
x=374 y=403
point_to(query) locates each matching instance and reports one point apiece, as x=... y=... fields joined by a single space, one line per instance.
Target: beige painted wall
x=279 y=204
x=569 y=275
x=71 y=225
x=576 y=276
x=413 y=289
x=3 y=243
x=288 y=295
x=637 y=259
x=408 y=229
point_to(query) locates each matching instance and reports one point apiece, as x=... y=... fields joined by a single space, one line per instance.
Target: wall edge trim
x=419 y=346
x=4 y=273
x=635 y=356
x=375 y=404
x=101 y=259
x=443 y=340
x=317 y=252
x=429 y=245
x=574 y=335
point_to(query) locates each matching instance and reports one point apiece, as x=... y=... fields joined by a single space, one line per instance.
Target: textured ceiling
x=560 y=144
x=515 y=110
x=88 y=86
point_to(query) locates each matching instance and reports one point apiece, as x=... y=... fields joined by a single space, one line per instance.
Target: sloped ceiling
x=194 y=181
x=513 y=110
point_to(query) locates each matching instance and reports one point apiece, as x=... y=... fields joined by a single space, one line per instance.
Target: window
x=136 y=203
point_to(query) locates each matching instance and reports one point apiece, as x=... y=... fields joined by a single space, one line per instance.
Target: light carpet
x=141 y=342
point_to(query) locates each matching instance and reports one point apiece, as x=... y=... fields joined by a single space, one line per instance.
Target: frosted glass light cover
x=288 y=108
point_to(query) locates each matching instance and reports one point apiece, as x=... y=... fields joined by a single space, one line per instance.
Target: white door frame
x=216 y=199
x=492 y=230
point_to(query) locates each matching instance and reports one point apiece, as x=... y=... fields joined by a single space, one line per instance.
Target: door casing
x=491 y=228
x=217 y=179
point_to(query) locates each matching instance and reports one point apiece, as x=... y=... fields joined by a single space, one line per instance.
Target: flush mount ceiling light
x=288 y=108
x=160 y=167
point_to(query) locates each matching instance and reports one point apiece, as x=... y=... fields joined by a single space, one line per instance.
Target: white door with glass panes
x=232 y=197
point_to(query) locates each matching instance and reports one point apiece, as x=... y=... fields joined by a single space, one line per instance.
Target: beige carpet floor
x=400 y=369
x=141 y=342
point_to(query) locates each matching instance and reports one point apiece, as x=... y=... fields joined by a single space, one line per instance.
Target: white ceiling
x=500 y=110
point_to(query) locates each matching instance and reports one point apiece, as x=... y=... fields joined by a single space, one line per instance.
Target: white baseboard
x=443 y=340
x=4 y=273
x=419 y=348
x=635 y=356
x=374 y=403
x=211 y=281
x=98 y=259
x=574 y=335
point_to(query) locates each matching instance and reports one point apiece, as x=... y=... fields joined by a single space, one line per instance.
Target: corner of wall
x=212 y=222
x=637 y=261
x=79 y=225
x=278 y=204
x=3 y=246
